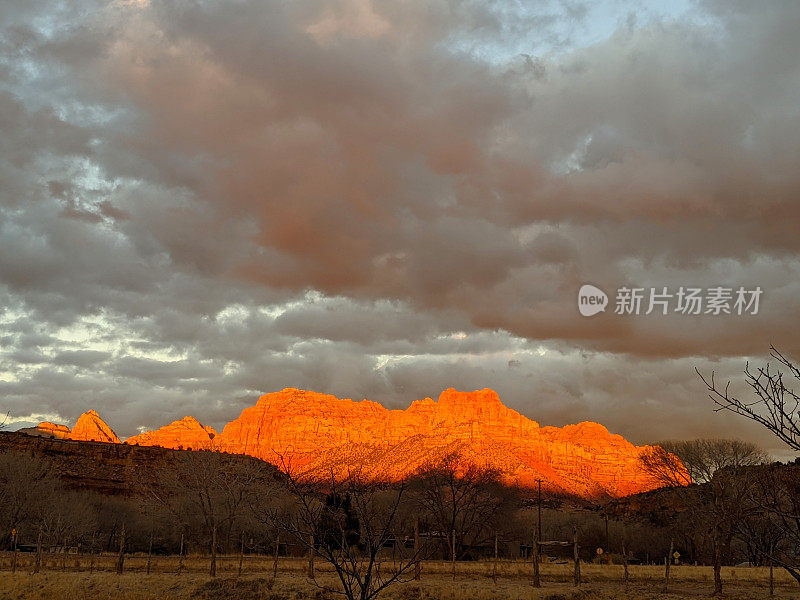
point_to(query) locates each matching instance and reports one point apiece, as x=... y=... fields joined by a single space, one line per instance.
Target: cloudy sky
x=202 y=202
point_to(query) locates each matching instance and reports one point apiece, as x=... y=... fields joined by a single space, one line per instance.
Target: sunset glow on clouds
x=204 y=202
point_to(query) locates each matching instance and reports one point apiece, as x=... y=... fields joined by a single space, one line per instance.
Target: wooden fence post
x=213 y=569
x=494 y=568
x=453 y=554
x=121 y=556
x=180 y=555
x=625 y=563
x=14 y=547
x=668 y=561
x=771 y=580
x=311 y=558
x=418 y=565
x=37 y=565
x=64 y=555
x=91 y=554
x=277 y=550
x=149 y=553
x=241 y=556
x=577 y=556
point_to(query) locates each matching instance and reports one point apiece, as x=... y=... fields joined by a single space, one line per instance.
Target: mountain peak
x=484 y=396
x=186 y=434
x=91 y=428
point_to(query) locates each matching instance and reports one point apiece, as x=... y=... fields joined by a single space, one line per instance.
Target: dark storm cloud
x=202 y=203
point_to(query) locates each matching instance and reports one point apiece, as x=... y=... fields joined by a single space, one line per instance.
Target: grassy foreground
x=473 y=581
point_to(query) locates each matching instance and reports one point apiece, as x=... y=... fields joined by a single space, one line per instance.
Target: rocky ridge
x=320 y=434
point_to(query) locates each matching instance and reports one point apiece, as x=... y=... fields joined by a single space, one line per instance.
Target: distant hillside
x=106 y=468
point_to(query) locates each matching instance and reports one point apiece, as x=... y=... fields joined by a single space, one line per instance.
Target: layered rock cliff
x=320 y=434
x=47 y=429
x=185 y=434
x=91 y=428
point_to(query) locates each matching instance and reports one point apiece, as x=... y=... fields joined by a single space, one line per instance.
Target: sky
x=204 y=202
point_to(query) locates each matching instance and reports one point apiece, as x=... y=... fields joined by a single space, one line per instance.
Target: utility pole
x=536 y=544
x=539 y=506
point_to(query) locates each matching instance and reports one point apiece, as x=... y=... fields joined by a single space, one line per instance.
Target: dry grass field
x=473 y=580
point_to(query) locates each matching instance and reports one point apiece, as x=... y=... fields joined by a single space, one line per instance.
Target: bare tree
x=774 y=405
x=207 y=493
x=349 y=521
x=726 y=502
x=27 y=487
x=682 y=462
x=665 y=466
x=66 y=519
x=776 y=497
x=461 y=498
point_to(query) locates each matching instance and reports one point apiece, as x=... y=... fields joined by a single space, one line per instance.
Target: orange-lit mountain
x=184 y=434
x=318 y=432
x=89 y=428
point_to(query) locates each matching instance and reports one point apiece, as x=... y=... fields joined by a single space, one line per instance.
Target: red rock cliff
x=320 y=431
x=91 y=428
x=184 y=434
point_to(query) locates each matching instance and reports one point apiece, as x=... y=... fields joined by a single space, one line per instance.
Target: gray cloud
x=201 y=204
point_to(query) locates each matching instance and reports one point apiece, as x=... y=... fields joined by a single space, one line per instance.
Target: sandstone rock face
x=184 y=434
x=318 y=432
x=47 y=429
x=91 y=428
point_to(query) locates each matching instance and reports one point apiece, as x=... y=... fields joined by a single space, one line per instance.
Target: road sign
x=599 y=551
x=677 y=555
